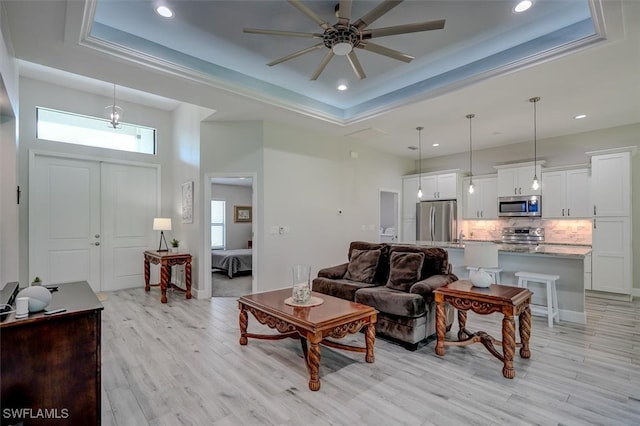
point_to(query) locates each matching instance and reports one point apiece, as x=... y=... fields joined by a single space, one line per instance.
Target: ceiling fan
x=344 y=36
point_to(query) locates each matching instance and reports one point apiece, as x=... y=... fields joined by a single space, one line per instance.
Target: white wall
x=308 y=178
x=9 y=221
x=237 y=234
x=561 y=151
x=37 y=93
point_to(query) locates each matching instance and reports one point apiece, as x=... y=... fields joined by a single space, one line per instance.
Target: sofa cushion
x=435 y=259
x=382 y=272
x=404 y=270
x=344 y=289
x=392 y=301
x=362 y=265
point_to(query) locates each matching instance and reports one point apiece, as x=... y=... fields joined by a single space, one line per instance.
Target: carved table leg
x=441 y=327
x=525 y=331
x=462 y=324
x=508 y=345
x=313 y=361
x=146 y=275
x=164 y=280
x=243 y=326
x=187 y=277
x=370 y=339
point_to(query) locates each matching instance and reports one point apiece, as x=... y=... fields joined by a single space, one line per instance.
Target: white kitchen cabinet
x=439 y=187
x=611 y=184
x=587 y=272
x=483 y=203
x=612 y=256
x=409 y=197
x=408 y=230
x=517 y=180
x=566 y=194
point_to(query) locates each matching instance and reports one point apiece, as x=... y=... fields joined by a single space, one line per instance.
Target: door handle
x=594 y=223
x=568 y=212
x=97 y=235
x=594 y=210
x=97 y=243
x=562 y=212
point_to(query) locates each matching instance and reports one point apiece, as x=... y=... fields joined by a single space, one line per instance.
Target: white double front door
x=90 y=220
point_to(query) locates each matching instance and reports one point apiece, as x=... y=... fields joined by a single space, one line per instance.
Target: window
x=66 y=127
x=218 y=208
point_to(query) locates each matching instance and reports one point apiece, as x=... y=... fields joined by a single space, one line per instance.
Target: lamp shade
x=162 y=224
x=481 y=255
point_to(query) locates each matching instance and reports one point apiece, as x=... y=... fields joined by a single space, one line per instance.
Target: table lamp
x=162 y=224
x=480 y=255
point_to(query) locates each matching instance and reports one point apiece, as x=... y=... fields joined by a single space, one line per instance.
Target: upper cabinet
x=566 y=194
x=483 y=203
x=611 y=184
x=517 y=180
x=439 y=187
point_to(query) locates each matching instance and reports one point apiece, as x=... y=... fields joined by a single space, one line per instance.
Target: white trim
x=522 y=164
x=631 y=149
x=206 y=230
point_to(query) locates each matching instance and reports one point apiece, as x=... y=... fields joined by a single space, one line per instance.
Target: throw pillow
x=404 y=270
x=362 y=265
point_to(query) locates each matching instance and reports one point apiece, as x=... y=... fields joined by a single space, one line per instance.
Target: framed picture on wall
x=187 y=202
x=241 y=214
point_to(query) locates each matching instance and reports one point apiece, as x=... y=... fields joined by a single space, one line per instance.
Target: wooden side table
x=166 y=261
x=511 y=301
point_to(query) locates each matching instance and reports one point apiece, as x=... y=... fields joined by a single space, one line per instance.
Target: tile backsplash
x=556 y=231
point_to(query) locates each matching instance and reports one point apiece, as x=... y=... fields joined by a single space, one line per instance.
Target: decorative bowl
x=480 y=278
x=39 y=297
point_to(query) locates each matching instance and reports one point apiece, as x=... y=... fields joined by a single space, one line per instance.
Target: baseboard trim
x=614 y=296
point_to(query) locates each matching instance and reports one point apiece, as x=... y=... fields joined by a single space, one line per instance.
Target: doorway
x=90 y=220
x=389 y=216
x=237 y=191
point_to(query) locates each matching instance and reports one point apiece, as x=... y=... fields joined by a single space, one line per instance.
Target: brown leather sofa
x=397 y=280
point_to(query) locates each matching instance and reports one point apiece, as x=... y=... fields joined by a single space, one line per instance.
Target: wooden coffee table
x=511 y=301
x=334 y=318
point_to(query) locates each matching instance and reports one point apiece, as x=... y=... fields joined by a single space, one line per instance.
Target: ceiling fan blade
x=355 y=64
x=344 y=12
x=404 y=29
x=296 y=54
x=310 y=13
x=376 y=13
x=322 y=65
x=385 y=51
x=281 y=33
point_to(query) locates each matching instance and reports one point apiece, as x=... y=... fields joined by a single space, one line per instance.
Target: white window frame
x=223 y=225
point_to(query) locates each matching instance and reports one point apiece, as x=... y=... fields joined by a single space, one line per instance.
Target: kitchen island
x=571 y=262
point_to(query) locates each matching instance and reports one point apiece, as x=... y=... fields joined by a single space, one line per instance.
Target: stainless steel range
x=522 y=235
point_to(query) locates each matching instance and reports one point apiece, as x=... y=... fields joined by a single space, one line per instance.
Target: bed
x=231 y=261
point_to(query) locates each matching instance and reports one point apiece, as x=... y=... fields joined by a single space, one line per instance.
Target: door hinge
x=18 y=192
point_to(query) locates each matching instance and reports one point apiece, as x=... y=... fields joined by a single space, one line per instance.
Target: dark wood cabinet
x=50 y=365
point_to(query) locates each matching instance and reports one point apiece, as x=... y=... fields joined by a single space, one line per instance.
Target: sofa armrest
x=425 y=287
x=334 y=272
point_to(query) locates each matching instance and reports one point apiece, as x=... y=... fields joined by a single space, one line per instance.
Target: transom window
x=67 y=127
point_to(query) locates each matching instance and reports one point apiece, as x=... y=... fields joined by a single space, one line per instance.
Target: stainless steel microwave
x=520 y=206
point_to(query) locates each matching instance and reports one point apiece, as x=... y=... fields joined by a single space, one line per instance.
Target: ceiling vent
x=368 y=133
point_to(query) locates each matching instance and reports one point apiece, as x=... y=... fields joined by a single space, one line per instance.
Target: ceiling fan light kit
x=343 y=37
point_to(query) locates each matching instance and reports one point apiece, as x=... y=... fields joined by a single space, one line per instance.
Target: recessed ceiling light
x=522 y=6
x=342 y=87
x=436 y=144
x=164 y=11
x=581 y=116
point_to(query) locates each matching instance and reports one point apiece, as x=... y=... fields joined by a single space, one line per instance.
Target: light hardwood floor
x=181 y=363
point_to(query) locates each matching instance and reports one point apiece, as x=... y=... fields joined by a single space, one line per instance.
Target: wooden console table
x=166 y=261
x=52 y=362
x=511 y=301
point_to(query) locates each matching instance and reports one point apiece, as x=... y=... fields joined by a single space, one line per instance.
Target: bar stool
x=551 y=309
x=494 y=273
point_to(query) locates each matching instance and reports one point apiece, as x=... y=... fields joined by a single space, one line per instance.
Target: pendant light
x=471 y=189
x=419 y=129
x=535 y=184
x=114 y=112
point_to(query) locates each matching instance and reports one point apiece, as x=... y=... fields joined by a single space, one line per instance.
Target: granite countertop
x=557 y=250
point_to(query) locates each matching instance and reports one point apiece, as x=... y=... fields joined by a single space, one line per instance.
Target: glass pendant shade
x=114 y=112
x=471 y=188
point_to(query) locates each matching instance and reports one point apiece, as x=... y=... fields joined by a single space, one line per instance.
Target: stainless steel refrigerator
x=437 y=220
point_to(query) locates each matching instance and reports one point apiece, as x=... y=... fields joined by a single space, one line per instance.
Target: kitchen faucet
x=461 y=237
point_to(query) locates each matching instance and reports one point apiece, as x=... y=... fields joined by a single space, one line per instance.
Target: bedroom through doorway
x=232 y=248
